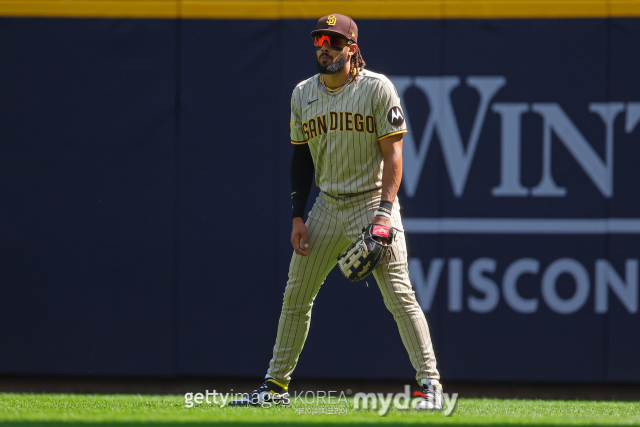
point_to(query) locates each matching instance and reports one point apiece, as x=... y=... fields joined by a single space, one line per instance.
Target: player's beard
x=338 y=64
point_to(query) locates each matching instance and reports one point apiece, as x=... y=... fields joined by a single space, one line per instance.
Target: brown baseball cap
x=337 y=24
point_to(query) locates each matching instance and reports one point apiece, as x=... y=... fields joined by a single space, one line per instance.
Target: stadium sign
x=441 y=126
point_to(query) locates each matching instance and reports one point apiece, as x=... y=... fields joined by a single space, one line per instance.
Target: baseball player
x=347 y=124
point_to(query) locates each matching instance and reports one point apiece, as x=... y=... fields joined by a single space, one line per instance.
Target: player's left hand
x=382 y=220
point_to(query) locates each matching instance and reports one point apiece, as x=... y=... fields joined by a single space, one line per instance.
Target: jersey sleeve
x=297 y=133
x=389 y=115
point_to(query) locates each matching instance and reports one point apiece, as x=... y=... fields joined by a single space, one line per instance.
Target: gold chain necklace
x=330 y=90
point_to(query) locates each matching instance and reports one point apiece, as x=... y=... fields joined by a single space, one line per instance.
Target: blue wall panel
x=528 y=55
x=87 y=166
x=228 y=179
x=623 y=350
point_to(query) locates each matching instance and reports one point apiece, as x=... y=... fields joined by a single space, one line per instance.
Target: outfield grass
x=72 y=409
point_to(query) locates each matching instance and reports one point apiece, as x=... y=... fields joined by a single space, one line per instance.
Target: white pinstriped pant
x=333 y=224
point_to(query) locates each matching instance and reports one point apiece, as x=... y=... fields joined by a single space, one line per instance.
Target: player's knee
x=297 y=309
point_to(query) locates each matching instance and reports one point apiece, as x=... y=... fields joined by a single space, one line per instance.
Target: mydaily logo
x=442 y=121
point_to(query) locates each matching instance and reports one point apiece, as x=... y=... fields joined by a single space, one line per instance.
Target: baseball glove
x=359 y=260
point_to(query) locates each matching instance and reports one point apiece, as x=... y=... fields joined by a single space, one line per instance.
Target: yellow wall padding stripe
x=312 y=9
x=90 y=8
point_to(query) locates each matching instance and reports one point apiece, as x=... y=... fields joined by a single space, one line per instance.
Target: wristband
x=386 y=207
x=382 y=213
x=384 y=210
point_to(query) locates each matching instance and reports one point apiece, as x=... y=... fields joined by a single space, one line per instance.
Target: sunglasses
x=334 y=42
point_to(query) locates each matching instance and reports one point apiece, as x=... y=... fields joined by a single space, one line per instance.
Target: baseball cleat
x=431 y=397
x=268 y=394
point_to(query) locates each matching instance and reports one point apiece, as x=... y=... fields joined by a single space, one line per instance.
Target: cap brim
x=318 y=32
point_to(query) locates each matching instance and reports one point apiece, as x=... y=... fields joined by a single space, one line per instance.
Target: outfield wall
x=144 y=158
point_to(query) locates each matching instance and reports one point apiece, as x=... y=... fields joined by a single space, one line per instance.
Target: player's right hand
x=298 y=236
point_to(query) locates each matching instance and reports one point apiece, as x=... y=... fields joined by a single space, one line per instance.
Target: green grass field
x=73 y=409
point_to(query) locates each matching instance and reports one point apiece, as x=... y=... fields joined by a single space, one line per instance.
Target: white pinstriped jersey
x=343 y=130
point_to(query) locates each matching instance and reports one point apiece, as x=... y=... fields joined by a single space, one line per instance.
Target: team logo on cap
x=331 y=20
x=395 y=116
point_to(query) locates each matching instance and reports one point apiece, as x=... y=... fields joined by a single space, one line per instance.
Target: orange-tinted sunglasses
x=334 y=42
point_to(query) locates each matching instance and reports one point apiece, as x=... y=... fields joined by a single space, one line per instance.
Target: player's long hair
x=357 y=62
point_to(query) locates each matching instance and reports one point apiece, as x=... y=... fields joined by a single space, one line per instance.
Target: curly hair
x=357 y=62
